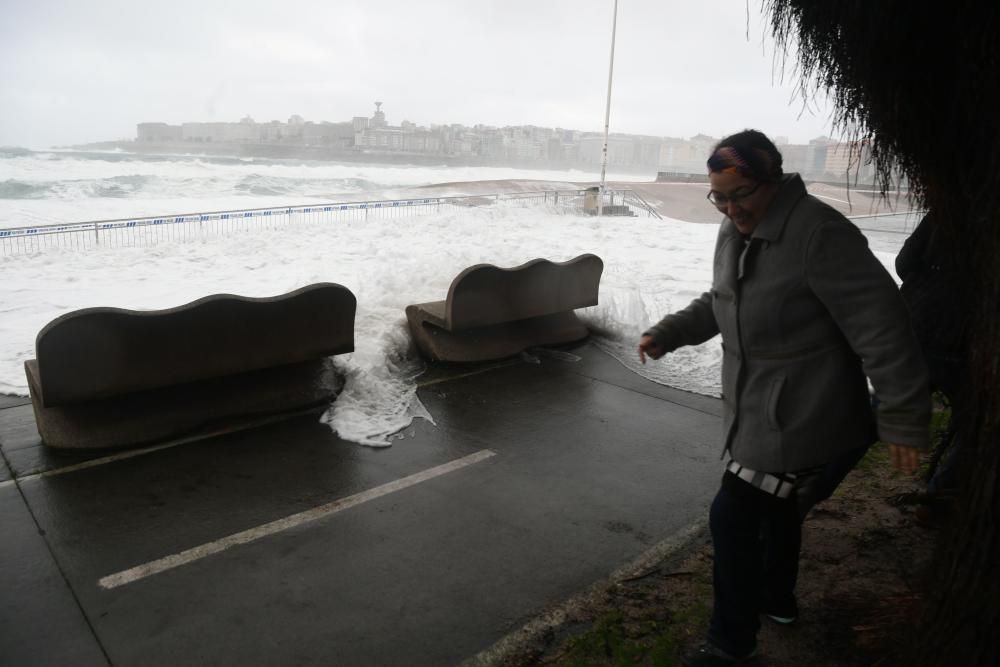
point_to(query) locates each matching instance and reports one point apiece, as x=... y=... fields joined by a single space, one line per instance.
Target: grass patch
x=870 y=537
x=651 y=634
x=877 y=456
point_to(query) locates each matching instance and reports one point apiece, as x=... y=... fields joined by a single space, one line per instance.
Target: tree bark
x=920 y=82
x=961 y=621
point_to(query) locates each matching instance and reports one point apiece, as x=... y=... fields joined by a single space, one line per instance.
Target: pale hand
x=904 y=459
x=649 y=347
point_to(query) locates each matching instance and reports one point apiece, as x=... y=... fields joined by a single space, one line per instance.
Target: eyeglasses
x=721 y=201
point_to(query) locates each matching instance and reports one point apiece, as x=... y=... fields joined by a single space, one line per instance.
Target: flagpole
x=607 y=114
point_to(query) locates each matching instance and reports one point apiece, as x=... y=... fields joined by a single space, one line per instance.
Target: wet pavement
x=285 y=545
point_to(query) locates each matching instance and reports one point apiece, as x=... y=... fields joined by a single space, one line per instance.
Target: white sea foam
x=651 y=268
x=59 y=187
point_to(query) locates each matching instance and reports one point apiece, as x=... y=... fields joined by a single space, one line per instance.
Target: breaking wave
x=114 y=187
x=7 y=152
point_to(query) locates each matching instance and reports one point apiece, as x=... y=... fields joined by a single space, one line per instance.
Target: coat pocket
x=771 y=404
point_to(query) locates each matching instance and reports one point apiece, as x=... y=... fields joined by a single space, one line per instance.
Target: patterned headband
x=728 y=160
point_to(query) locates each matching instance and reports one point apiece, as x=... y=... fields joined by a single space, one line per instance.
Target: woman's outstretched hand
x=649 y=348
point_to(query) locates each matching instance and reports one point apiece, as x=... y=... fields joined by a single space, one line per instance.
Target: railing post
x=97 y=238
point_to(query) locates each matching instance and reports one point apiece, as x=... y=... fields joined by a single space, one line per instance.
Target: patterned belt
x=777 y=484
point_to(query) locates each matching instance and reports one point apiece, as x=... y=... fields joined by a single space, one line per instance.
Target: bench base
x=186 y=410
x=492 y=342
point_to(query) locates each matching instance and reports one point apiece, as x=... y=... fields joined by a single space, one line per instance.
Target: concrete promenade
x=284 y=545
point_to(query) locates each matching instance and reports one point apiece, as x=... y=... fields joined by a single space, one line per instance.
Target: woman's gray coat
x=806 y=311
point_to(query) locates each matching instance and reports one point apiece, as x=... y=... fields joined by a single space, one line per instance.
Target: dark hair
x=751 y=153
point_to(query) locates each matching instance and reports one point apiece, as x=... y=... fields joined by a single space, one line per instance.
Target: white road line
x=244 y=537
x=121 y=456
x=93 y=463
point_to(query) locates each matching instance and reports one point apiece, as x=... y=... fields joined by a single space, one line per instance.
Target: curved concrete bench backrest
x=101 y=352
x=484 y=294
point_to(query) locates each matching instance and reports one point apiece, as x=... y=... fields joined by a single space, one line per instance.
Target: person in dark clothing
x=931 y=287
x=806 y=312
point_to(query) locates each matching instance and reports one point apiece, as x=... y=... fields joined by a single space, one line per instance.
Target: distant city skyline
x=75 y=72
x=393 y=117
x=375 y=137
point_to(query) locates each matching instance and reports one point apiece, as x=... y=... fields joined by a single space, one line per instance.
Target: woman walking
x=806 y=313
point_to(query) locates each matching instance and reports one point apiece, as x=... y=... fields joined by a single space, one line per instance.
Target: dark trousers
x=757 y=538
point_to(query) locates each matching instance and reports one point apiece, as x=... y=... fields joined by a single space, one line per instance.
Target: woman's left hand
x=648 y=347
x=904 y=459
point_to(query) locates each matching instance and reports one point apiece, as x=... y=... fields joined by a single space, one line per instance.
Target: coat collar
x=790 y=191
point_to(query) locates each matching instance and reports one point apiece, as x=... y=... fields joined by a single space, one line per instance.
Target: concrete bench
x=492 y=313
x=110 y=377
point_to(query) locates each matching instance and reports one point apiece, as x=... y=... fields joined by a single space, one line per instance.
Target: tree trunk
x=920 y=81
x=961 y=621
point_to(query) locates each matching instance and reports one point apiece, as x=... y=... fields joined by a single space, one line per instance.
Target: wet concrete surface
x=8 y=401
x=40 y=622
x=592 y=466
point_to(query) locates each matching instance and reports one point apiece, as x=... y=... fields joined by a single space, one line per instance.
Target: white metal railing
x=146 y=231
x=901 y=222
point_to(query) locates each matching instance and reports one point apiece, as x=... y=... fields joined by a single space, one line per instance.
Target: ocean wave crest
x=119 y=186
x=261 y=185
x=114 y=187
x=9 y=152
x=14 y=189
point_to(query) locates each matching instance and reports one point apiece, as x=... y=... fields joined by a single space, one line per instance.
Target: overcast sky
x=76 y=71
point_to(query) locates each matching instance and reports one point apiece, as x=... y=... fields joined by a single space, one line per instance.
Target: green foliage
x=623 y=641
x=877 y=456
x=940 y=420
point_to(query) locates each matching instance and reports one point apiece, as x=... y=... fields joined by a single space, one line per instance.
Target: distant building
x=796 y=158
x=218 y=132
x=157 y=132
x=621 y=150
x=816 y=156
x=685 y=156
x=378 y=118
x=849 y=160
x=339 y=135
